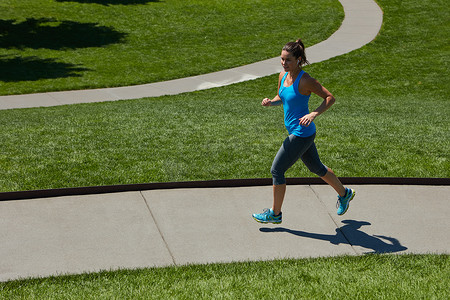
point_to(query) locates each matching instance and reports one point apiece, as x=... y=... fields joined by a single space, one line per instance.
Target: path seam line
x=332 y=219
x=159 y=229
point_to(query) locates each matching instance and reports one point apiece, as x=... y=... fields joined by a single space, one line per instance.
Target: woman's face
x=288 y=61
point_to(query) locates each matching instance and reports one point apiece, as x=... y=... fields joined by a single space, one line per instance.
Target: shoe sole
x=348 y=205
x=267 y=222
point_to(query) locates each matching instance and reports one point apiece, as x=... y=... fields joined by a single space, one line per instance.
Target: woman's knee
x=277 y=176
x=320 y=170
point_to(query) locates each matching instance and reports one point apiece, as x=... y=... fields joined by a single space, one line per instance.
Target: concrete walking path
x=75 y=234
x=362 y=22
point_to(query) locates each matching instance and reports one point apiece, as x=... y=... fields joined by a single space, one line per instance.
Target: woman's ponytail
x=303 y=54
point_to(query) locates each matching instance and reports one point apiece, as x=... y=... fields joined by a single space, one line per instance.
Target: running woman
x=294 y=89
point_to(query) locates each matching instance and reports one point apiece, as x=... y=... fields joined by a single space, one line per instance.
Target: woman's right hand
x=266 y=102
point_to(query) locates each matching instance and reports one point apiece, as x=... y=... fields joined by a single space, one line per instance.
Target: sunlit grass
x=362 y=277
x=390 y=120
x=48 y=45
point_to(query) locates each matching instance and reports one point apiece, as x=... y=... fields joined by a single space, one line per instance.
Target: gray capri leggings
x=293 y=148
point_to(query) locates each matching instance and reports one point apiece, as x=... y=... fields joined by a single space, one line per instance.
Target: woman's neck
x=293 y=74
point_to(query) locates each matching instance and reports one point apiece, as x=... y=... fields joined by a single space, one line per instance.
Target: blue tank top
x=295 y=106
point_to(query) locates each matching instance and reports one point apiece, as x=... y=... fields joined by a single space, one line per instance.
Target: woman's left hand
x=306 y=120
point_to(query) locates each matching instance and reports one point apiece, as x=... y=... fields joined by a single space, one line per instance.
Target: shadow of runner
x=34 y=68
x=350 y=231
x=57 y=35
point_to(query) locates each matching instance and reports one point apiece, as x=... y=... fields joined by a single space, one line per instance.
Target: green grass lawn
x=363 y=277
x=48 y=45
x=390 y=120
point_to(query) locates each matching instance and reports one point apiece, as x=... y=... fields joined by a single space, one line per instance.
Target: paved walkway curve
x=362 y=22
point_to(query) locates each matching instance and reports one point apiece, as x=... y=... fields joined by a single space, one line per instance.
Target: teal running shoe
x=344 y=202
x=267 y=216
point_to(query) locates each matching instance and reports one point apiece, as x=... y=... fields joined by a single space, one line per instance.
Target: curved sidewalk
x=362 y=22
